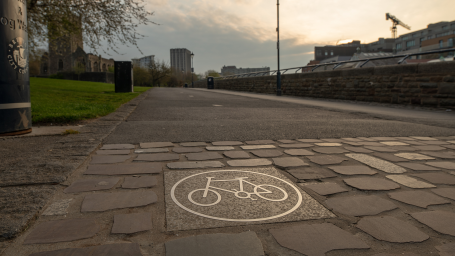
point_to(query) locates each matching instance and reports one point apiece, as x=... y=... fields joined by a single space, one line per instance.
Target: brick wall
x=428 y=84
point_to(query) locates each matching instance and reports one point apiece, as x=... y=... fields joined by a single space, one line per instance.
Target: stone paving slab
x=158 y=157
x=352 y=139
x=357 y=144
x=325 y=188
x=311 y=141
x=383 y=138
x=327 y=159
x=287 y=141
x=381 y=149
x=267 y=153
x=297 y=145
x=182 y=150
x=113 y=152
x=405 y=148
x=219 y=148
x=372 y=144
x=227 y=143
x=151 y=150
x=440 y=221
x=429 y=148
x=286 y=162
x=242 y=244
x=391 y=229
x=195 y=165
x=124 y=169
x=358 y=150
x=353 y=170
x=409 y=181
x=418 y=198
x=84 y=185
x=400 y=254
x=316 y=239
x=377 y=163
x=193 y=144
x=298 y=152
x=437 y=178
x=416 y=143
x=311 y=173
x=132 y=223
x=360 y=205
x=250 y=147
x=418 y=167
x=260 y=142
x=423 y=138
x=446 y=249
x=368 y=183
x=436 y=142
x=394 y=143
x=444 y=165
x=62 y=231
x=445 y=192
x=117 y=146
x=121 y=249
x=156 y=144
x=140 y=182
x=249 y=163
x=203 y=156
x=187 y=209
x=330 y=150
x=109 y=159
x=328 y=144
x=333 y=140
x=414 y=156
x=58 y=208
x=237 y=154
x=389 y=157
x=108 y=201
x=438 y=154
x=449 y=146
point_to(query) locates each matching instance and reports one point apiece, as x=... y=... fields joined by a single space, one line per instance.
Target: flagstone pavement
x=347 y=196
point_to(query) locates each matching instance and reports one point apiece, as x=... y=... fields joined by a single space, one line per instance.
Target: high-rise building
x=181 y=59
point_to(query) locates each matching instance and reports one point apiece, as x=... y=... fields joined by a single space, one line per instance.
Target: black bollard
x=15 y=106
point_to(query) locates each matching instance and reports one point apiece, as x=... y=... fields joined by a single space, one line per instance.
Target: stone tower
x=62 y=48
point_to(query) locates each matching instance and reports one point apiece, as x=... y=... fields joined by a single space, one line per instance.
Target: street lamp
x=278 y=75
x=192 y=70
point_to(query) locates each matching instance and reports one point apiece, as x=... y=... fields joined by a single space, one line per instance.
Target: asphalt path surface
x=184 y=115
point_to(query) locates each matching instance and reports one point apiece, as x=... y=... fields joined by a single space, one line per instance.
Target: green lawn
x=67 y=101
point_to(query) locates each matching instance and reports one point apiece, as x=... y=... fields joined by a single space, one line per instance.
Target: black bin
x=210 y=83
x=123 y=76
x=186 y=85
x=15 y=106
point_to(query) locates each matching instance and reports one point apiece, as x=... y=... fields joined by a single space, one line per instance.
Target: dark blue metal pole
x=278 y=76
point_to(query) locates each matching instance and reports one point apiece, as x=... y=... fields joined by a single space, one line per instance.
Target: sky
x=242 y=32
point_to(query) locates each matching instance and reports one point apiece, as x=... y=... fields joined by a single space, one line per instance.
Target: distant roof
x=336 y=59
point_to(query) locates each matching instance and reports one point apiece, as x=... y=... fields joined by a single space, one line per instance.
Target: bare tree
x=159 y=72
x=112 y=21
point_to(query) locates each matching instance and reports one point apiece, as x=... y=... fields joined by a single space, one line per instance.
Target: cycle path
x=345 y=196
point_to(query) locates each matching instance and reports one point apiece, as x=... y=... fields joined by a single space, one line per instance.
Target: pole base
x=278 y=93
x=16 y=133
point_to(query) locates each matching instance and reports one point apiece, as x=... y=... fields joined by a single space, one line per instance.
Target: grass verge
x=67 y=101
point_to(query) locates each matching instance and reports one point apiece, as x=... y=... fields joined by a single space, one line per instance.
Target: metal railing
x=336 y=64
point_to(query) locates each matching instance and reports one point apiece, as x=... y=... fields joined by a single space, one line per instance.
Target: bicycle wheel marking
x=219 y=196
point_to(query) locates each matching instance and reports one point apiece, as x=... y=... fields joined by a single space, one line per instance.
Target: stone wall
x=428 y=84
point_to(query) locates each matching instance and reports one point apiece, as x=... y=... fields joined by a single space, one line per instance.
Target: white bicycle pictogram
x=238 y=193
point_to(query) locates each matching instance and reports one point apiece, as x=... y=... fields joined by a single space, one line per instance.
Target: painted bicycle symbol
x=259 y=190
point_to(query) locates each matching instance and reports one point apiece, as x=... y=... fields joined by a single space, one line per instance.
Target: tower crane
x=396 y=22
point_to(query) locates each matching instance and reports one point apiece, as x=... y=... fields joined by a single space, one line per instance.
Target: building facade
x=181 y=59
x=233 y=70
x=435 y=36
x=144 y=62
